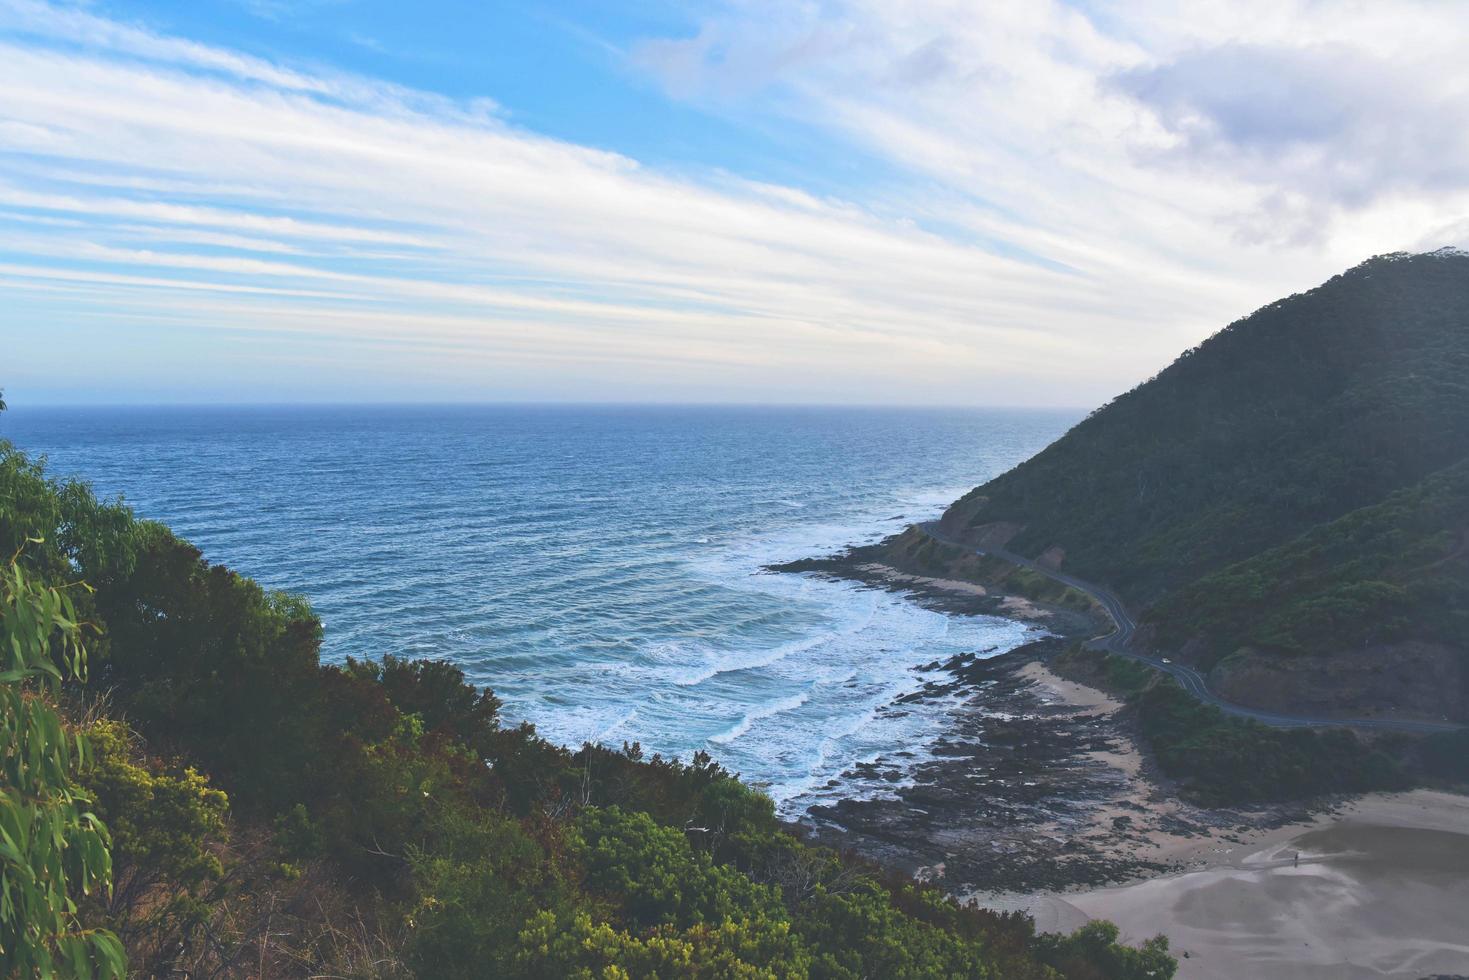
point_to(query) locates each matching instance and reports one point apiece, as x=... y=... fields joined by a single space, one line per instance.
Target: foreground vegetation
x=255 y=812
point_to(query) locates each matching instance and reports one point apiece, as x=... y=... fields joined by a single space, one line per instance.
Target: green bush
x=1446 y=756
x=655 y=877
x=1226 y=760
x=1093 y=953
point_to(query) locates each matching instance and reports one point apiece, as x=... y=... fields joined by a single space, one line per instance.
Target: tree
x=1093 y=953
x=162 y=823
x=51 y=847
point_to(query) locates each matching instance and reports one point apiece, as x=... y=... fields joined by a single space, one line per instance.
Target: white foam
x=717 y=662
x=751 y=717
x=849 y=651
x=606 y=733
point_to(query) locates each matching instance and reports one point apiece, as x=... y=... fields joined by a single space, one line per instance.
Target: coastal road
x=1120 y=639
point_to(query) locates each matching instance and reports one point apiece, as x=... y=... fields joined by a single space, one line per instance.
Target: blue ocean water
x=599 y=567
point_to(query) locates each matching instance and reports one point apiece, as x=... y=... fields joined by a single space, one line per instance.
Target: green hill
x=1285 y=503
x=1298 y=414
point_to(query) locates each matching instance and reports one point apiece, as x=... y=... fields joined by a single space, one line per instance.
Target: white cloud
x=1298 y=125
x=1090 y=194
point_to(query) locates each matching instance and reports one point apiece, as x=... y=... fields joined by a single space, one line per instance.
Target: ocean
x=598 y=567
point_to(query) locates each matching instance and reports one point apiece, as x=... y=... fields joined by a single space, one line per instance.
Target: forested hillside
x=1384 y=585
x=269 y=815
x=1293 y=488
x=1310 y=408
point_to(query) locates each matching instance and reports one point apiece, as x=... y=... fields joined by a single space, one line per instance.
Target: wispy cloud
x=1293 y=123
x=1083 y=201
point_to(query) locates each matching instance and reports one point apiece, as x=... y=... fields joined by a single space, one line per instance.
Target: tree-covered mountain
x=1288 y=488
x=1309 y=408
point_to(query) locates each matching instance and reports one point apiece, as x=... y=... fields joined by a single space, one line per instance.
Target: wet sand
x=1380 y=890
x=1376 y=888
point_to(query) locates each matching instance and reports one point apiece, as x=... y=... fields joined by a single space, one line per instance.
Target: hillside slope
x=1304 y=411
x=1287 y=503
x=1318 y=618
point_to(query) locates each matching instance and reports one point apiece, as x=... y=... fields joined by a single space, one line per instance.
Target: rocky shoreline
x=865 y=566
x=1029 y=791
x=1038 y=785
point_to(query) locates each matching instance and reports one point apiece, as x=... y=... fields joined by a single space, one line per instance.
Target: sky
x=938 y=202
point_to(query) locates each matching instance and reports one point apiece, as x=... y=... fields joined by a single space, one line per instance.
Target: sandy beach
x=1377 y=888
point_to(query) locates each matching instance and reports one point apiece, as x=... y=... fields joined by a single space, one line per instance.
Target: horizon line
x=13 y=407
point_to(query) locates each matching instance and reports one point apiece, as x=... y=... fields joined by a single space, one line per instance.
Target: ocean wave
x=748 y=720
x=729 y=662
x=626 y=719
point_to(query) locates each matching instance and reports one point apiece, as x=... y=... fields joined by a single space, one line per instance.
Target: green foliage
x=435 y=692
x=1127 y=676
x=656 y=878
x=1228 y=760
x=1393 y=571
x=859 y=933
x=165 y=821
x=1093 y=953
x=53 y=850
x=1446 y=756
x=1041 y=588
x=476 y=891
x=159 y=820
x=1118 y=675
x=581 y=949
x=206 y=657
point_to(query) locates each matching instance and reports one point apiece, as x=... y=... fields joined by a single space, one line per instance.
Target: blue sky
x=854 y=201
x=559 y=69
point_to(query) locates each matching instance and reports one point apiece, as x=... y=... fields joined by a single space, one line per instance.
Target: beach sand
x=1381 y=891
x=1378 y=888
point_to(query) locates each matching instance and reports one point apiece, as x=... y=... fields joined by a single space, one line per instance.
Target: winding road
x=1188 y=678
